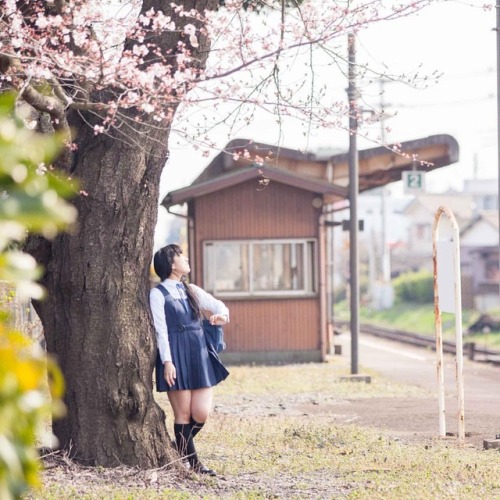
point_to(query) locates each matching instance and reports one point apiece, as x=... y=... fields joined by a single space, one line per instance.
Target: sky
x=452 y=38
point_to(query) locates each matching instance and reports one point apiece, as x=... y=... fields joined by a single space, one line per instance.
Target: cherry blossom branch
x=134 y=68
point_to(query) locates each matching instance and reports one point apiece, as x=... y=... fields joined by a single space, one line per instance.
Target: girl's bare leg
x=180 y=401
x=201 y=404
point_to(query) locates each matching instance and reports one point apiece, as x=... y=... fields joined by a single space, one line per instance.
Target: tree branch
x=47 y=104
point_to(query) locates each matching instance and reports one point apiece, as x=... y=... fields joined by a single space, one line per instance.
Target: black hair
x=163 y=260
x=162 y=263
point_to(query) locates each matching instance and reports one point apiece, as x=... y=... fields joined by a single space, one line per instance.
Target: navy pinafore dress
x=197 y=364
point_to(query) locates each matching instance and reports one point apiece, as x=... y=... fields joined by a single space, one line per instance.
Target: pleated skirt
x=197 y=363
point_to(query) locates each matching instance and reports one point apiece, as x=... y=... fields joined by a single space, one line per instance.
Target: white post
x=439 y=332
x=456 y=308
x=459 y=359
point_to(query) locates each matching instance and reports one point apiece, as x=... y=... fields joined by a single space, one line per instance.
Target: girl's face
x=180 y=265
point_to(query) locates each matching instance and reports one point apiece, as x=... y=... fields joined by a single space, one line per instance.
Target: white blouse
x=157 y=304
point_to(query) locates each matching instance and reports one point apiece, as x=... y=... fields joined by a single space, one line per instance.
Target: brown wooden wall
x=249 y=210
x=273 y=325
x=252 y=211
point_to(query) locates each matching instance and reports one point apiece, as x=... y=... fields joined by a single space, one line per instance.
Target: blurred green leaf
x=31 y=200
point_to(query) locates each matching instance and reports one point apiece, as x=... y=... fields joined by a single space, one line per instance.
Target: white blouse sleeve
x=157 y=304
x=209 y=302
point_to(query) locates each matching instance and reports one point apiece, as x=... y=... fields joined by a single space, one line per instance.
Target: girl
x=185 y=367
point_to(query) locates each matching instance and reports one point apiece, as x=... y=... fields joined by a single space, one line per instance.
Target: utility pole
x=386 y=265
x=353 y=202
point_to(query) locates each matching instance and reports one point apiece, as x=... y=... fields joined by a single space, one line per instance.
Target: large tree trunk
x=96 y=316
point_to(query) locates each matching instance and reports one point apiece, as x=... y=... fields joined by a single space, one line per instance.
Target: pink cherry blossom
x=88 y=47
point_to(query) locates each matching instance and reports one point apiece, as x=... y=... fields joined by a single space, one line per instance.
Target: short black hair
x=162 y=262
x=164 y=258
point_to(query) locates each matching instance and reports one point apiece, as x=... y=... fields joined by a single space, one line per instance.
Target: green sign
x=413 y=181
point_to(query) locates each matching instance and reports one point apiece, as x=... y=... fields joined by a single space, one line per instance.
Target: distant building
x=484 y=194
x=479 y=256
x=476 y=212
x=417 y=254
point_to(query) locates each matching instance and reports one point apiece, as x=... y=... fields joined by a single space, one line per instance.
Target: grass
x=419 y=318
x=367 y=463
x=303 y=379
x=261 y=453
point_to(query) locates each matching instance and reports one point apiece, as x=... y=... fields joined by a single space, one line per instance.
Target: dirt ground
x=409 y=419
x=418 y=418
x=413 y=419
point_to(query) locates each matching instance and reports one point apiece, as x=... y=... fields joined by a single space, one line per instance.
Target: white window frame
x=309 y=264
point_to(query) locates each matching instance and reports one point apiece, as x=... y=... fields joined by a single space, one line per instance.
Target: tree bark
x=96 y=315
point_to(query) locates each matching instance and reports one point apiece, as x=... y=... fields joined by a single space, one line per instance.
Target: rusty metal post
x=439 y=332
x=458 y=325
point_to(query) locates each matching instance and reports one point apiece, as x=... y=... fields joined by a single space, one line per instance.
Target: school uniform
x=181 y=339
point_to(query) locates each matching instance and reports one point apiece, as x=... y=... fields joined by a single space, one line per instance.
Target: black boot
x=185 y=447
x=196 y=465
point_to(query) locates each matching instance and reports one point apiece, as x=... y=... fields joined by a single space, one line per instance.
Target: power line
x=441 y=104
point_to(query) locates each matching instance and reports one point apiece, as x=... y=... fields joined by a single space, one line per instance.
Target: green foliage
x=419 y=318
x=341 y=292
x=414 y=287
x=31 y=196
x=23 y=405
x=30 y=200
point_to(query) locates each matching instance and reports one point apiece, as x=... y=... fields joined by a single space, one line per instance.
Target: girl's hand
x=169 y=373
x=218 y=319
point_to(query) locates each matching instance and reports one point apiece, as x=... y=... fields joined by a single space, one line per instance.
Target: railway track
x=471 y=349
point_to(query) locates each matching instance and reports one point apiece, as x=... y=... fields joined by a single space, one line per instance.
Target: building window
x=492 y=272
x=260 y=267
x=423 y=231
x=489 y=203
